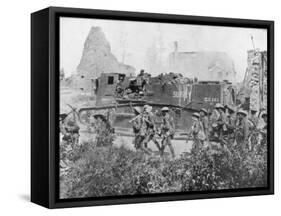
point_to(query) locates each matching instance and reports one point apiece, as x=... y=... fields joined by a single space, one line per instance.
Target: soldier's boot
x=172 y=149
x=145 y=150
x=162 y=147
x=137 y=142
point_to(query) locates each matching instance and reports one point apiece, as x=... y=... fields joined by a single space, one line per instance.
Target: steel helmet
x=231 y=108
x=243 y=112
x=204 y=110
x=147 y=108
x=219 y=106
x=196 y=114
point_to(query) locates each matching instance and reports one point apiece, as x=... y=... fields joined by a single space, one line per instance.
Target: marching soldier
x=136 y=122
x=264 y=117
x=263 y=126
x=151 y=127
x=205 y=122
x=119 y=87
x=254 y=120
x=242 y=128
x=219 y=124
x=230 y=123
x=258 y=135
x=72 y=132
x=167 y=130
x=140 y=130
x=197 y=133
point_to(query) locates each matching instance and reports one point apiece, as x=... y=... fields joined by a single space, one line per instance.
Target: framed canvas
x=138 y=107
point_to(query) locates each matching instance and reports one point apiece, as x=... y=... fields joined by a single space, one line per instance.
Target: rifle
x=133 y=119
x=144 y=119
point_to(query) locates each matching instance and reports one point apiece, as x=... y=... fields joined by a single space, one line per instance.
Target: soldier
x=264 y=117
x=151 y=127
x=197 y=133
x=242 y=129
x=140 y=130
x=119 y=87
x=205 y=122
x=143 y=81
x=253 y=118
x=72 y=132
x=263 y=125
x=219 y=124
x=264 y=129
x=258 y=136
x=62 y=126
x=167 y=130
x=230 y=123
x=62 y=119
x=136 y=122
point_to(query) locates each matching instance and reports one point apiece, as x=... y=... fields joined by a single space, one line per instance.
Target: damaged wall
x=209 y=65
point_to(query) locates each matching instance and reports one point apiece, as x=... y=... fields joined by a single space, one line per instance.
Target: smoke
x=141 y=43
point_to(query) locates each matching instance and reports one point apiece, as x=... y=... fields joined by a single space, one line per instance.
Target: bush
x=94 y=171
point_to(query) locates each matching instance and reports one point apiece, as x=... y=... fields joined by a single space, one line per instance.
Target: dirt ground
x=180 y=146
x=70 y=96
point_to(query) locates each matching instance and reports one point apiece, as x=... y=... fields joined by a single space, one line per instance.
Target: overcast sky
x=134 y=39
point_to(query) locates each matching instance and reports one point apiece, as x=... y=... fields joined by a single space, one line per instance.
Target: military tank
x=117 y=95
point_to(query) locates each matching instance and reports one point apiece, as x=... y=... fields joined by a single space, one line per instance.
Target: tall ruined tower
x=256 y=79
x=96 y=59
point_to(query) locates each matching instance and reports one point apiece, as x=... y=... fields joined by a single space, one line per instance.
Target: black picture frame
x=45 y=109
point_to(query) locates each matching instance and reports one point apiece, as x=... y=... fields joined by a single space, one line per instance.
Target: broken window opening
x=110 y=80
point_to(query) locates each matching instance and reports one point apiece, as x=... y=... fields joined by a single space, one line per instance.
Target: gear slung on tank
x=117 y=94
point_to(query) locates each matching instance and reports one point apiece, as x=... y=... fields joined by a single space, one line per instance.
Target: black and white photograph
x=153 y=108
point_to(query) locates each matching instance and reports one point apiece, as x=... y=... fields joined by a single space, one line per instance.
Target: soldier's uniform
x=62 y=123
x=205 y=123
x=254 y=120
x=242 y=129
x=140 y=130
x=197 y=133
x=151 y=127
x=230 y=125
x=167 y=130
x=119 y=89
x=64 y=137
x=264 y=128
x=72 y=132
x=219 y=126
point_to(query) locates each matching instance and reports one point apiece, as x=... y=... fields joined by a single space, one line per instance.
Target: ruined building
x=209 y=65
x=255 y=80
x=96 y=59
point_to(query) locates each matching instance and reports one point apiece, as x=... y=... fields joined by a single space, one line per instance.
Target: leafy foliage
x=94 y=170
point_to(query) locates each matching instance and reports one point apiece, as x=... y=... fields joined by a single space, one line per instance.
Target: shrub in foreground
x=107 y=171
